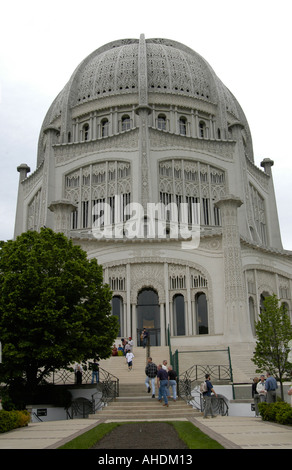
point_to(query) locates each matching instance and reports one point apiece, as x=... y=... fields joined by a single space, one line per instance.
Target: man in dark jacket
x=151 y=373
x=208 y=396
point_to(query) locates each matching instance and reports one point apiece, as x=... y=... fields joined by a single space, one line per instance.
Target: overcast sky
x=248 y=44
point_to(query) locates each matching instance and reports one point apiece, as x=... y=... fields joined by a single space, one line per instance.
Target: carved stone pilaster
x=236 y=325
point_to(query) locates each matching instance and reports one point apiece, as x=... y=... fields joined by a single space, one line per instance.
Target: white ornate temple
x=143 y=122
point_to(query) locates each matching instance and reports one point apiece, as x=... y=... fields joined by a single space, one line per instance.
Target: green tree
x=273 y=332
x=54 y=307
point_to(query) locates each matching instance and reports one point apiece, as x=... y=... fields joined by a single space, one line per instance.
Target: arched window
x=182 y=126
x=126 y=123
x=287 y=309
x=85 y=132
x=104 y=128
x=201 y=313
x=161 y=122
x=117 y=310
x=202 y=129
x=179 y=315
x=262 y=298
x=252 y=315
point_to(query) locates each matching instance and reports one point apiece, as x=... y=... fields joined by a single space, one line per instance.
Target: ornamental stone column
x=62 y=215
x=236 y=319
x=20 y=221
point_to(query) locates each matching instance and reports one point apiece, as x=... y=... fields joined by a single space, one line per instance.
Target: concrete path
x=46 y=435
x=231 y=432
x=246 y=433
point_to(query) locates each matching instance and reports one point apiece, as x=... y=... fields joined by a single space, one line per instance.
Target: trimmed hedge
x=279 y=412
x=13 y=419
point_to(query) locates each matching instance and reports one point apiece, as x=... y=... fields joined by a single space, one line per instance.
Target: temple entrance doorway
x=148 y=315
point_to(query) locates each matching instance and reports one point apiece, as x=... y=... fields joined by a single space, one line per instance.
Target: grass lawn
x=190 y=434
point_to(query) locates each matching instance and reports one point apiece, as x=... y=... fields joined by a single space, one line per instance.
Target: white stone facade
x=150 y=122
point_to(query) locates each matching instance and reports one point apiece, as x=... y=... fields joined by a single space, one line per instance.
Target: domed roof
x=115 y=70
x=124 y=66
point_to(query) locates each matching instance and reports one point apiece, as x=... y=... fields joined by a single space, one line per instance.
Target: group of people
x=93 y=366
x=127 y=345
x=165 y=378
x=264 y=389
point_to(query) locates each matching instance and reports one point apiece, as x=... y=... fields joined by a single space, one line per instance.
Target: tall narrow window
x=126 y=123
x=161 y=122
x=85 y=130
x=85 y=219
x=179 y=315
x=117 y=310
x=104 y=128
x=262 y=299
x=202 y=128
x=217 y=216
x=202 y=313
x=252 y=315
x=206 y=211
x=74 y=219
x=183 y=126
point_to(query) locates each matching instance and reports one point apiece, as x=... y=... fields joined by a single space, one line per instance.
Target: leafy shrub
x=13 y=419
x=279 y=412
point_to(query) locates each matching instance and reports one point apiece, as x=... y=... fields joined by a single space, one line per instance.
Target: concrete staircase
x=134 y=403
x=118 y=367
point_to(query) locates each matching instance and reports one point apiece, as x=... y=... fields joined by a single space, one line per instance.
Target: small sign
x=42 y=412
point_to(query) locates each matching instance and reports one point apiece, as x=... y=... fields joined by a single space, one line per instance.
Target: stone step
x=150 y=405
x=118 y=367
x=145 y=409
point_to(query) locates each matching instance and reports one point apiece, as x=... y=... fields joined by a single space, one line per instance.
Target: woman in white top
x=261 y=388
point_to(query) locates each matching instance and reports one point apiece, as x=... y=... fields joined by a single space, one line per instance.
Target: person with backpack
x=207 y=394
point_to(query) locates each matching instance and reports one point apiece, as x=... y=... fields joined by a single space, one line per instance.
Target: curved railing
x=107 y=389
x=188 y=386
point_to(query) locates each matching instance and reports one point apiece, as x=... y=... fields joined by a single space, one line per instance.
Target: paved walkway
x=231 y=432
x=246 y=433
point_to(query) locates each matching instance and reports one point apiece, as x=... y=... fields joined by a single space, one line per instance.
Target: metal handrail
x=217 y=371
x=107 y=391
x=187 y=384
x=68 y=377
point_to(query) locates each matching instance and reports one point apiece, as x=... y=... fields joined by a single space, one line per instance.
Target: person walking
x=151 y=374
x=208 y=397
x=271 y=387
x=162 y=381
x=164 y=366
x=131 y=343
x=172 y=381
x=129 y=359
